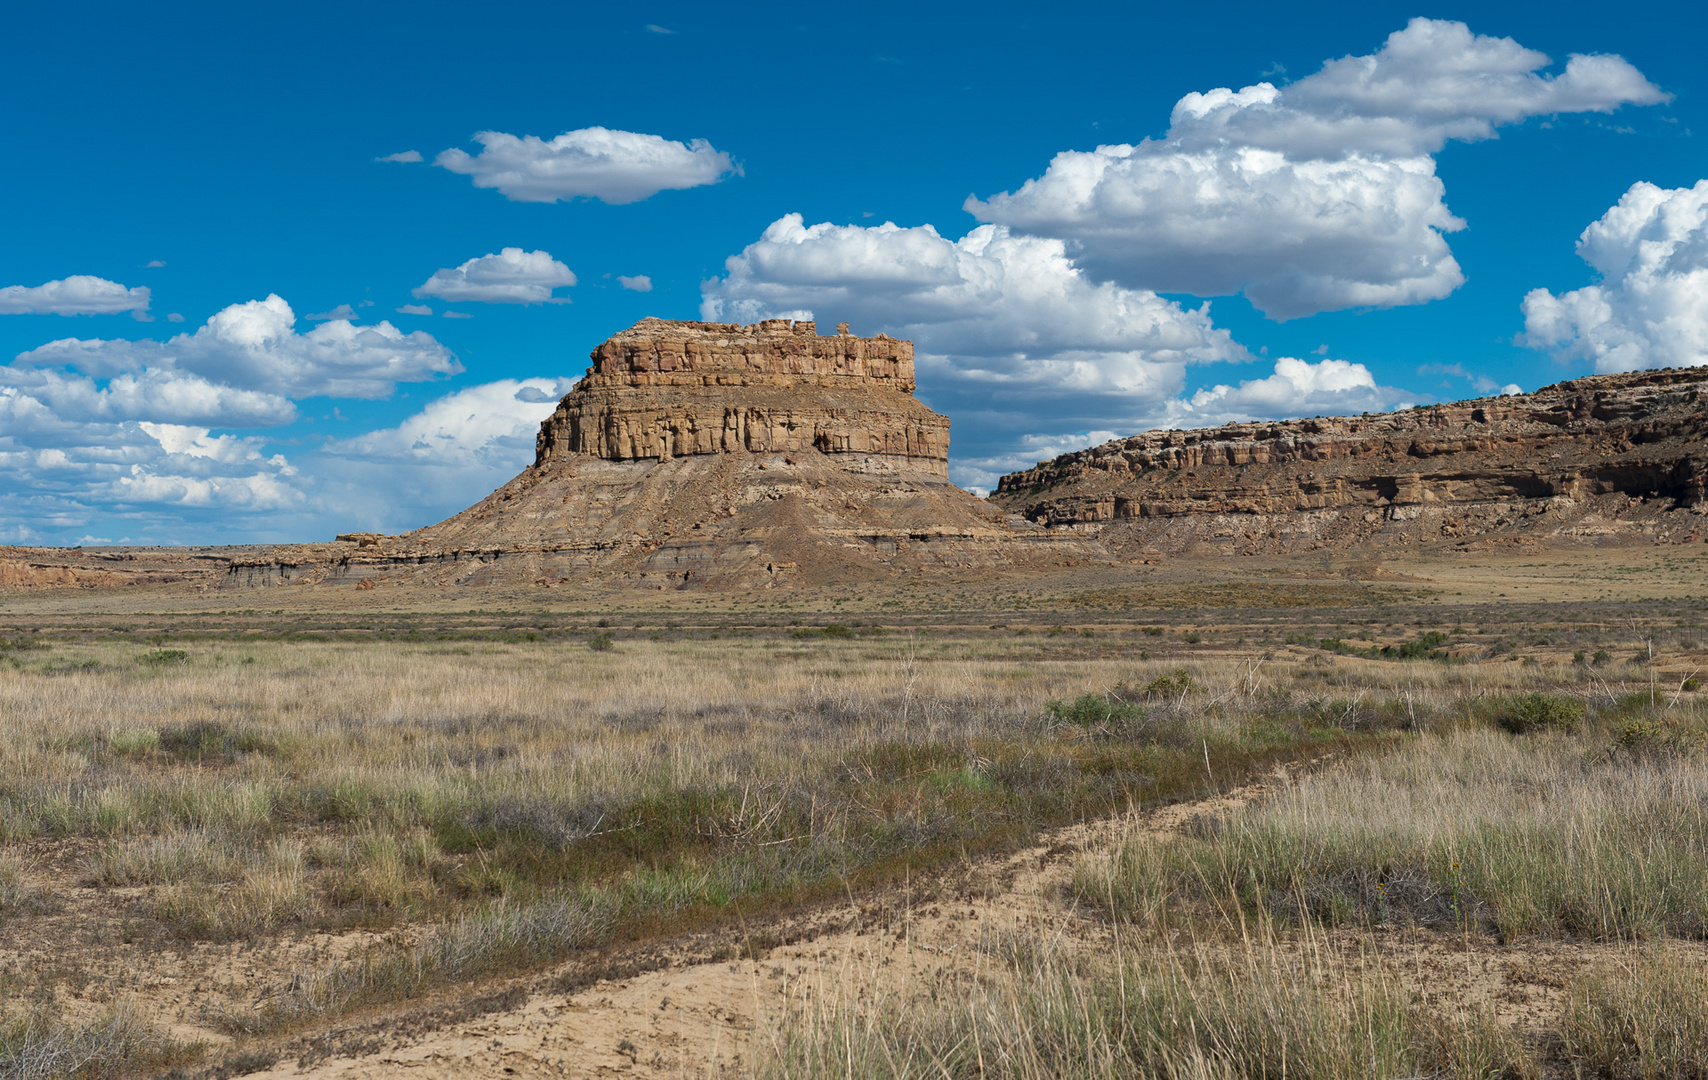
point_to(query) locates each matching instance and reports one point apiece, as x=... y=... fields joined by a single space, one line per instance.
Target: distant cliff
x=1601 y=458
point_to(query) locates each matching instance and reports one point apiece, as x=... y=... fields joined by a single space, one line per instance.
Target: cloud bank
x=253 y=346
x=1651 y=307
x=1318 y=196
x=590 y=163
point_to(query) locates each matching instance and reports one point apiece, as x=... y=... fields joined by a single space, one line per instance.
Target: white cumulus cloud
x=637 y=283
x=253 y=346
x=597 y=163
x=1316 y=196
x=1297 y=388
x=512 y=276
x=1012 y=339
x=449 y=455
x=155 y=395
x=79 y=294
x=1651 y=307
x=1000 y=307
x=1028 y=354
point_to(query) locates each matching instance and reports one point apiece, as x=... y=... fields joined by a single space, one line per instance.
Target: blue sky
x=1402 y=225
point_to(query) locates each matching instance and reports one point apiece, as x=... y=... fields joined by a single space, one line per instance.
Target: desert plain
x=1389 y=812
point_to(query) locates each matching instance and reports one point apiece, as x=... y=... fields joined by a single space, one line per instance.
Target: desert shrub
x=601 y=642
x=1094 y=710
x=829 y=630
x=164 y=657
x=1172 y=685
x=1526 y=713
x=1426 y=647
x=207 y=740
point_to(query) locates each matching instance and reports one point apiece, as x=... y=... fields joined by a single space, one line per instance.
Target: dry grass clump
x=1546 y=834
x=18 y=896
x=40 y=1046
x=499 y=938
x=1644 y=1017
x=1259 y=1007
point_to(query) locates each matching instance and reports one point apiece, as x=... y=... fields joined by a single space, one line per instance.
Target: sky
x=272 y=273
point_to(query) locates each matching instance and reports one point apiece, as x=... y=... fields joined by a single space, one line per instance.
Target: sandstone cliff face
x=670 y=389
x=1596 y=453
x=708 y=454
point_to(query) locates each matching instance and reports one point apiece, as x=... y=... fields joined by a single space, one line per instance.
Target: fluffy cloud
x=1651 y=308
x=513 y=276
x=407 y=157
x=999 y=307
x=252 y=346
x=1314 y=197
x=53 y=397
x=79 y=294
x=1297 y=388
x=1011 y=336
x=1030 y=356
x=637 y=283
x=447 y=456
x=596 y=162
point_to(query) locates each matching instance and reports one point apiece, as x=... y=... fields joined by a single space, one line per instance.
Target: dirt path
x=697 y=1017
x=684 y=1015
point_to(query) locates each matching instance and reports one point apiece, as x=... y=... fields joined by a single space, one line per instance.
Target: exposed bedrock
x=711 y=454
x=1590 y=452
x=671 y=389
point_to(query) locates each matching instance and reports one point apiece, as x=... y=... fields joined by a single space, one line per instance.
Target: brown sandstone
x=710 y=454
x=1610 y=457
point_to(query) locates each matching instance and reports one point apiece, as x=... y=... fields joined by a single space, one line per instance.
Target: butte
x=711 y=454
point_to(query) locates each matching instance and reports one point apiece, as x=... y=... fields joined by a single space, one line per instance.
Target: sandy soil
x=696 y=1017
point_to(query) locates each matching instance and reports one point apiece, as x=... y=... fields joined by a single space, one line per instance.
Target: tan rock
x=671 y=389
x=1540 y=463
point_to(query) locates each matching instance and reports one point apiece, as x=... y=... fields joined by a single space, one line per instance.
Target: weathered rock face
x=1605 y=455
x=672 y=389
x=699 y=454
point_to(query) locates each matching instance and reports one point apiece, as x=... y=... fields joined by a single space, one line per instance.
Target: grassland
x=226 y=829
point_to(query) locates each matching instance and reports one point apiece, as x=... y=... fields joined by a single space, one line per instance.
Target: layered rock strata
x=1605 y=457
x=698 y=453
x=671 y=389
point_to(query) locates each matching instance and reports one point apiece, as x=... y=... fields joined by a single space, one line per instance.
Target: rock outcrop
x=709 y=454
x=672 y=389
x=1609 y=457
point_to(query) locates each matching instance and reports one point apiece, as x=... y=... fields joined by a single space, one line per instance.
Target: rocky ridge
x=1599 y=459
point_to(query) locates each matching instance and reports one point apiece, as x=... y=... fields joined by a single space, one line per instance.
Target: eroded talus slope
x=1609 y=458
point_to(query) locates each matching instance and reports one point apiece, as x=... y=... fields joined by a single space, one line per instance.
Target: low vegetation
x=482 y=808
